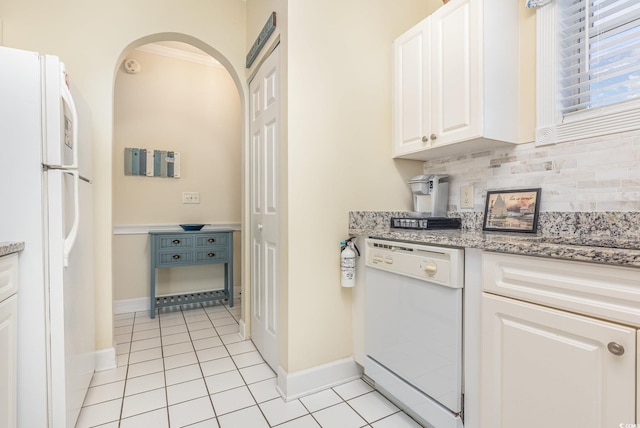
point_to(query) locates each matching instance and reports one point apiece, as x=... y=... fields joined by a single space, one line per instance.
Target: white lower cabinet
x=551 y=367
x=8 y=340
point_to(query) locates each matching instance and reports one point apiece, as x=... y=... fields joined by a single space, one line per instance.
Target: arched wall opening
x=178 y=100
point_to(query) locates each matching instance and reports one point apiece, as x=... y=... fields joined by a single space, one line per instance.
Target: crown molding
x=179 y=54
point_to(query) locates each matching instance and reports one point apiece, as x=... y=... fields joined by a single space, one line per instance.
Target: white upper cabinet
x=456 y=80
x=412 y=89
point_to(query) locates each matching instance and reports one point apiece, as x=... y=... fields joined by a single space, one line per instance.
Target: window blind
x=599 y=53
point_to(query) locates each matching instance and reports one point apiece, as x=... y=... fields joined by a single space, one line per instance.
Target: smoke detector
x=131 y=66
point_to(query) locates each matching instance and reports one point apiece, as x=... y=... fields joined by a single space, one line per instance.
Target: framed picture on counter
x=512 y=211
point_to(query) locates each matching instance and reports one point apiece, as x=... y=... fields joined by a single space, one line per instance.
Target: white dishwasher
x=413 y=328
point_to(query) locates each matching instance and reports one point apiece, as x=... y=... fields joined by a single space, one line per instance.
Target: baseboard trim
x=105 y=359
x=305 y=382
x=242 y=329
x=131 y=305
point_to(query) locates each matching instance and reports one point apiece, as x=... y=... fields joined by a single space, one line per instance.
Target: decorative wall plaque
x=268 y=28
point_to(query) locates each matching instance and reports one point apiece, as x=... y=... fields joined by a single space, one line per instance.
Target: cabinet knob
x=176 y=256
x=425 y=139
x=434 y=136
x=211 y=240
x=176 y=241
x=615 y=348
x=211 y=254
x=259 y=227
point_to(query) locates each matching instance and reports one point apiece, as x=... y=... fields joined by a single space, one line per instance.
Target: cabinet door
x=455 y=72
x=8 y=361
x=411 y=90
x=547 y=368
x=8 y=276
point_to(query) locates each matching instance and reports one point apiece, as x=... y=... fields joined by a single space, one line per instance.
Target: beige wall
x=194 y=109
x=336 y=63
x=92 y=39
x=186 y=107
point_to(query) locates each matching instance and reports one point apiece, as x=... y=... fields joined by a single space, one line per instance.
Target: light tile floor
x=189 y=367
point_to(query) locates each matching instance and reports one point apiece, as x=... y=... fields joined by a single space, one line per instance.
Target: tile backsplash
x=594 y=175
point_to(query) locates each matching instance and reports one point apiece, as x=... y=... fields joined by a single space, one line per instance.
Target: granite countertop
x=580 y=245
x=7 y=248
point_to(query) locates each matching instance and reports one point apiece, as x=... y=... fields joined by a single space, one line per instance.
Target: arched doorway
x=180 y=95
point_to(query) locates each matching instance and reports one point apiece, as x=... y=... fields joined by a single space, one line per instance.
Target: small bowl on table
x=191 y=227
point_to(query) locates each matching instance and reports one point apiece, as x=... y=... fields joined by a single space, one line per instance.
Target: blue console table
x=176 y=249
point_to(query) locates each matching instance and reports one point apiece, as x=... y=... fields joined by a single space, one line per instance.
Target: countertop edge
x=511 y=244
x=7 y=248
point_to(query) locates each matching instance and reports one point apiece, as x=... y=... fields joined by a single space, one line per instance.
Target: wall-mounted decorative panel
x=151 y=163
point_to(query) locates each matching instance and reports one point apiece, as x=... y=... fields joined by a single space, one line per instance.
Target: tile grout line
x=215 y=414
x=164 y=369
x=246 y=385
x=126 y=372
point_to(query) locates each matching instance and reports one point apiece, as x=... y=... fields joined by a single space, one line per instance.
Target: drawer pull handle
x=176 y=241
x=176 y=256
x=211 y=240
x=211 y=254
x=615 y=348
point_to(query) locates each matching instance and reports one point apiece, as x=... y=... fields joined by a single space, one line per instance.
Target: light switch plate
x=466 y=197
x=190 y=197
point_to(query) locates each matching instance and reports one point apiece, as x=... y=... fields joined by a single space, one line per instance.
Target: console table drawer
x=211 y=239
x=175 y=257
x=214 y=254
x=175 y=241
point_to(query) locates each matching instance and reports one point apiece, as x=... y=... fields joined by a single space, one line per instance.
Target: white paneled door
x=265 y=207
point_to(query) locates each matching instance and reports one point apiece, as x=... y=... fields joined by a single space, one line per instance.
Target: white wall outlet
x=466 y=197
x=190 y=197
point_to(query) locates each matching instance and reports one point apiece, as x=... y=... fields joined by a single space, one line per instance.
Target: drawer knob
x=615 y=348
x=211 y=254
x=211 y=240
x=176 y=256
x=176 y=241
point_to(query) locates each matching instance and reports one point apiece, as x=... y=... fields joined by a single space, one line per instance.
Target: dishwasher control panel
x=441 y=265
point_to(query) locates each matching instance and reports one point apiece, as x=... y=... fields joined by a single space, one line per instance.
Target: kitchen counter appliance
x=413 y=328
x=430 y=195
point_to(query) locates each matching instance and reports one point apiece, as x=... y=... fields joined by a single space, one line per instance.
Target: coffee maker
x=430 y=195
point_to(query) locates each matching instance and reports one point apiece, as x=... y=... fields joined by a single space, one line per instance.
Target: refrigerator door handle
x=70 y=239
x=68 y=100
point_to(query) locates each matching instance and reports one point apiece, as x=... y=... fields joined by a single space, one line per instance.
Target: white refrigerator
x=46 y=200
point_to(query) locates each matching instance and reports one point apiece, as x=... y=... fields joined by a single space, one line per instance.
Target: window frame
x=551 y=126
